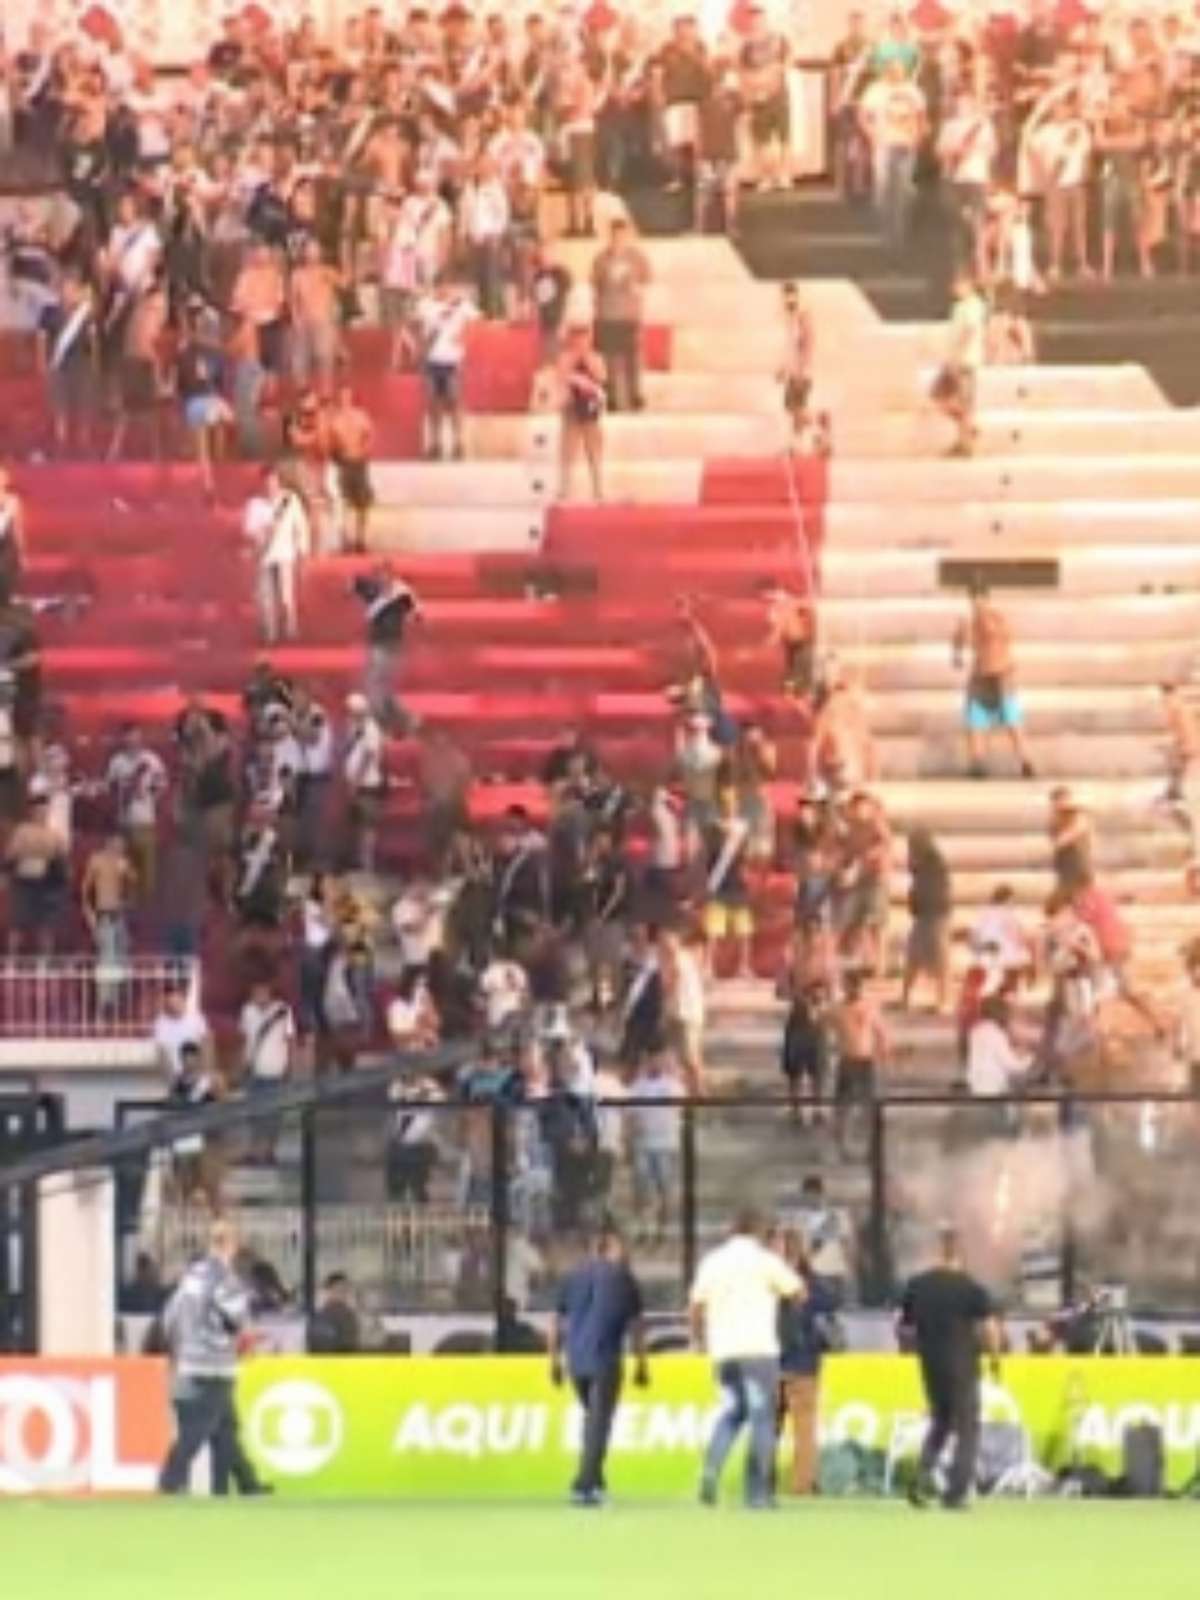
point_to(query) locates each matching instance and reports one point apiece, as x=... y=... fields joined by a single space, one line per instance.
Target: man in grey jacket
x=201 y=1322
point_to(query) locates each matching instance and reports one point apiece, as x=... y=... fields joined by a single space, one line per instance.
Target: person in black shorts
x=948 y=1316
x=805 y=1057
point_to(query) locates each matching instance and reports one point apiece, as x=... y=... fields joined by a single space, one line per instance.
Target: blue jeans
x=894 y=166
x=750 y=1389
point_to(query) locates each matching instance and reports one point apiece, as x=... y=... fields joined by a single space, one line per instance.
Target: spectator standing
x=351 y=435
x=106 y=896
x=70 y=356
x=137 y=780
x=178 y=1024
x=277 y=531
x=268 y=1038
x=620 y=274
x=930 y=904
x=966 y=148
x=653 y=1119
x=442 y=320
x=36 y=856
x=956 y=388
x=763 y=67
x=390 y=607
x=894 y=116
x=363 y=774
x=200 y=379
x=483 y=220
x=313 y=291
x=12 y=536
x=582 y=377
x=863 y=1048
x=984 y=641
x=796 y=358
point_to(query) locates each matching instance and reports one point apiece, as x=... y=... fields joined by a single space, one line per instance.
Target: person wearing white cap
x=363 y=773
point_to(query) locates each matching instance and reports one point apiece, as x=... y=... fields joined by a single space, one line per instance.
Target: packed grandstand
x=641 y=559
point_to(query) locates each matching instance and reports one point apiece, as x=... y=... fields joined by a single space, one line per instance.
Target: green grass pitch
x=844 y=1550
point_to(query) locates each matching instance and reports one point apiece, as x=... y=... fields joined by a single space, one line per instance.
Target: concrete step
x=1052 y=476
x=1020 y=431
x=861 y=378
x=643 y=437
x=1063 y=756
x=999 y=522
x=423 y=486
x=958 y=807
x=687 y=393
x=1035 y=615
x=1058 y=676
x=1082 y=572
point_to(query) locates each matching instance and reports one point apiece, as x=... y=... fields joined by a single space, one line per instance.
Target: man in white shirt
x=995 y=1067
x=276 y=528
x=363 y=774
x=268 y=1031
x=966 y=150
x=894 y=115
x=1061 y=149
x=483 y=218
x=416 y=248
x=175 y=1026
x=734 y=1314
x=137 y=779
x=443 y=319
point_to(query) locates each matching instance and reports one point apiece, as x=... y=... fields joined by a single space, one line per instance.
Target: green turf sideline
x=845 y=1550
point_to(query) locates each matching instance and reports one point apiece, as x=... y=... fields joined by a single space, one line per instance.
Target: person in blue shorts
x=984 y=641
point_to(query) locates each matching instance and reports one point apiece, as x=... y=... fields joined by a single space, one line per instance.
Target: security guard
x=949 y=1317
x=202 y=1322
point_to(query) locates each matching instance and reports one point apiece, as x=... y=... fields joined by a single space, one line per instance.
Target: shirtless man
x=984 y=639
x=791 y=629
x=796 y=358
x=313 y=303
x=843 y=751
x=107 y=894
x=258 y=295
x=351 y=434
x=1182 y=750
x=863 y=1049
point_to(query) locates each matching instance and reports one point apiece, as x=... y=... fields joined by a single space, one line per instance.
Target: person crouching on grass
x=582 y=379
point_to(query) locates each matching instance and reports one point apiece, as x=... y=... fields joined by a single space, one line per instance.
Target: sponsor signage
x=82 y=1427
x=433 y=1427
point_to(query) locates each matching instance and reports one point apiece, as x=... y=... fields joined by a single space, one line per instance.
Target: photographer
x=202 y=1323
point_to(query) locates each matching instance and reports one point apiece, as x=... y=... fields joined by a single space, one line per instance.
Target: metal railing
x=85 y=998
x=1052 y=1194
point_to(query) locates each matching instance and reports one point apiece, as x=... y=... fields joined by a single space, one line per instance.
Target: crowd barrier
x=496 y=1428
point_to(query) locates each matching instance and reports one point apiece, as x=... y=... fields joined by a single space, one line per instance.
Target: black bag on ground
x=1143 y=1468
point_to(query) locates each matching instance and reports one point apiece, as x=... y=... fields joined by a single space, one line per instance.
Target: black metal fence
x=453 y=1209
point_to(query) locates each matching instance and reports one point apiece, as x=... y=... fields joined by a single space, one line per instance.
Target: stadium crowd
x=227 y=227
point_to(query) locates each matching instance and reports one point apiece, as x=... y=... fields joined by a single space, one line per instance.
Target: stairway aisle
x=1083 y=470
